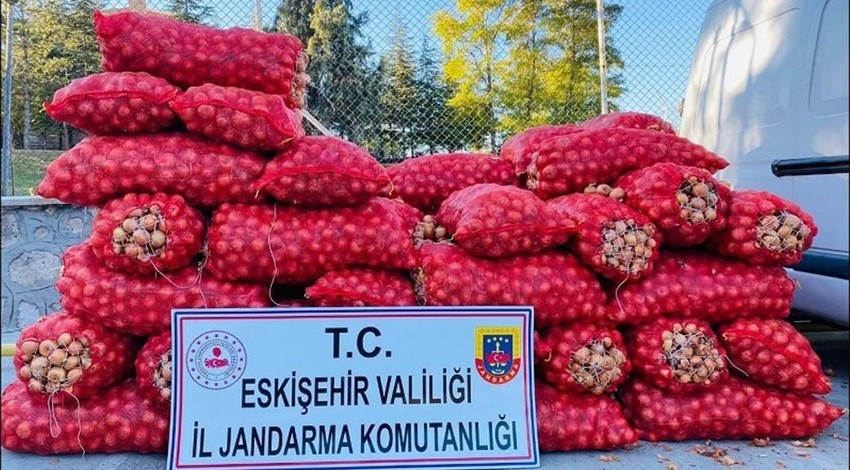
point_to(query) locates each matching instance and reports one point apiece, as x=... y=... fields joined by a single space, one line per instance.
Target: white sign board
x=406 y=387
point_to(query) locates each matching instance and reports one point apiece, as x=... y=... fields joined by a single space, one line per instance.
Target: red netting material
x=677 y=355
x=188 y=54
x=579 y=422
x=736 y=409
x=495 y=221
x=61 y=353
x=115 y=103
x=559 y=287
x=583 y=357
x=567 y=164
x=244 y=118
x=320 y=171
x=773 y=352
x=702 y=285
x=613 y=239
x=409 y=214
x=519 y=149
x=425 y=182
x=206 y=174
x=141 y=304
x=764 y=228
x=629 y=120
x=154 y=368
x=114 y=421
x=686 y=204
x=143 y=233
x=291 y=245
x=361 y=287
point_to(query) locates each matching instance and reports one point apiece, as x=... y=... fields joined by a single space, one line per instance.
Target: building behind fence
x=399 y=77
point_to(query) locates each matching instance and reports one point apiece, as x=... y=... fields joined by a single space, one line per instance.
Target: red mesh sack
x=763 y=228
x=206 y=174
x=409 y=214
x=519 y=148
x=143 y=233
x=362 y=288
x=323 y=171
x=141 y=304
x=686 y=204
x=425 y=182
x=188 y=54
x=613 y=239
x=114 y=421
x=245 y=118
x=701 y=285
x=677 y=355
x=62 y=353
x=153 y=369
x=735 y=409
x=629 y=120
x=775 y=353
x=583 y=358
x=567 y=164
x=290 y=245
x=496 y=221
x=542 y=350
x=115 y=103
x=559 y=287
x=579 y=422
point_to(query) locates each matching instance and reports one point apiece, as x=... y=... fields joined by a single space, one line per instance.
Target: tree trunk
x=27 y=115
x=26 y=84
x=66 y=137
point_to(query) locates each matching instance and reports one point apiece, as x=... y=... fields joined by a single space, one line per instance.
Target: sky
x=656 y=39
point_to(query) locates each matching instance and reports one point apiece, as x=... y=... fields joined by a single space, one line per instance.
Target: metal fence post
x=603 y=63
x=7 y=101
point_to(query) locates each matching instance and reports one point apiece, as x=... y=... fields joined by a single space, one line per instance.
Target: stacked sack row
x=183 y=119
x=690 y=342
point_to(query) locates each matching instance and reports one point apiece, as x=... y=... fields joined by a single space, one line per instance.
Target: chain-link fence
x=399 y=77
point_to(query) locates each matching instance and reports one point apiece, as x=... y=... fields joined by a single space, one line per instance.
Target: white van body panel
x=769 y=81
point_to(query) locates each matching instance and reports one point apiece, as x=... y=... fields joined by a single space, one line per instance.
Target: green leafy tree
x=191 y=11
x=471 y=41
x=572 y=81
x=516 y=64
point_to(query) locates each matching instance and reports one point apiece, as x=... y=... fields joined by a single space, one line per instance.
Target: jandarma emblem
x=216 y=360
x=498 y=353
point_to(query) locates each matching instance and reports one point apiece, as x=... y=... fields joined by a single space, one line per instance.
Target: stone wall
x=36 y=232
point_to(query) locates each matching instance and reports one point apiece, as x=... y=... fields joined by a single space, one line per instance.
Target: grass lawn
x=28 y=168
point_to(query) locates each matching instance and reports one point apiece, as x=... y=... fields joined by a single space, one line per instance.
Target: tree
x=572 y=81
x=436 y=128
x=398 y=97
x=338 y=70
x=293 y=17
x=54 y=43
x=520 y=63
x=470 y=42
x=191 y=11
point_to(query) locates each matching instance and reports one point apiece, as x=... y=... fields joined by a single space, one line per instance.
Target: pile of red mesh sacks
x=659 y=292
x=174 y=134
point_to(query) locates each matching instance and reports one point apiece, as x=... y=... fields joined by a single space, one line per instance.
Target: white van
x=768 y=91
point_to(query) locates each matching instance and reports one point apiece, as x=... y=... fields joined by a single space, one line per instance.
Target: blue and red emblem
x=498 y=353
